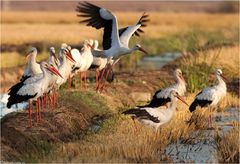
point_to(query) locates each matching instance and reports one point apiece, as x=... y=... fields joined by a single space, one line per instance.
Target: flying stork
x=115 y=41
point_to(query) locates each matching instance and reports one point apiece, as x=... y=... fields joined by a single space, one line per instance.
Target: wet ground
x=201 y=146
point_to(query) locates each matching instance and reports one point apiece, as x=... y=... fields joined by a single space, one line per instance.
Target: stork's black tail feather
x=14 y=97
x=130 y=111
x=193 y=106
x=156 y=103
x=201 y=103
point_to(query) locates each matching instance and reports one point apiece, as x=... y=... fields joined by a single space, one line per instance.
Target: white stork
x=31 y=89
x=65 y=68
x=33 y=67
x=115 y=41
x=75 y=69
x=86 y=60
x=210 y=96
x=99 y=63
x=162 y=96
x=156 y=117
x=52 y=61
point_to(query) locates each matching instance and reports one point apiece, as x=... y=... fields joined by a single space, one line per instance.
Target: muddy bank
x=59 y=125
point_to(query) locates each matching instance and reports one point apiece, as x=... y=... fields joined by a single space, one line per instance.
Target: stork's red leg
x=97 y=78
x=38 y=109
x=47 y=100
x=30 y=113
x=75 y=82
x=85 y=79
x=102 y=74
x=50 y=98
x=69 y=82
x=80 y=78
x=104 y=82
x=56 y=98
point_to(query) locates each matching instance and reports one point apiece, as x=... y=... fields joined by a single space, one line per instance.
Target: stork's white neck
x=221 y=82
x=32 y=59
x=172 y=106
x=179 y=80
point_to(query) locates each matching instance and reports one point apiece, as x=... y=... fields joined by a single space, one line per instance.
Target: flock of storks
x=40 y=82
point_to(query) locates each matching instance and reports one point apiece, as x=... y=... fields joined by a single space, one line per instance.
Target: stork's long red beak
x=54 y=71
x=89 y=45
x=141 y=49
x=69 y=56
x=182 y=99
x=224 y=78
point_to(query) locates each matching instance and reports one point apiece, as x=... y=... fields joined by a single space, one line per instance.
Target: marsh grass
x=119 y=141
x=198 y=67
x=123 y=143
x=228 y=146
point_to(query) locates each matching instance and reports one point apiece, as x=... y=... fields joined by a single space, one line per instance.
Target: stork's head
x=218 y=72
x=178 y=74
x=87 y=44
x=63 y=45
x=138 y=47
x=174 y=94
x=50 y=68
x=31 y=53
x=52 y=50
x=68 y=54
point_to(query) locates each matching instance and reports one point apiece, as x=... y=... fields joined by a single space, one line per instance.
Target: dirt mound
x=58 y=125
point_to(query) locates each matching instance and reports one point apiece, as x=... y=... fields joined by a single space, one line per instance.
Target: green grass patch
x=190 y=41
x=90 y=99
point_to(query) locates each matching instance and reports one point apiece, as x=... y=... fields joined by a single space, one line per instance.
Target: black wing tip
x=130 y=111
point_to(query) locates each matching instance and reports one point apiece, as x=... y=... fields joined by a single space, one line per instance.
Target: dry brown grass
x=119 y=141
x=228 y=146
x=226 y=58
x=12 y=59
x=21 y=27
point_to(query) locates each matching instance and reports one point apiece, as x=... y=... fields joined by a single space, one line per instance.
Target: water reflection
x=3 y=105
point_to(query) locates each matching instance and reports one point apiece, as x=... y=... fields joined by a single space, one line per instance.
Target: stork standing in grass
x=162 y=96
x=77 y=56
x=86 y=60
x=211 y=96
x=31 y=89
x=115 y=41
x=54 y=62
x=65 y=67
x=156 y=117
x=33 y=68
x=99 y=63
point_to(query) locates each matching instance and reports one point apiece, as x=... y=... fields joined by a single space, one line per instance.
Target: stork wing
x=127 y=32
x=100 y=18
x=142 y=113
x=207 y=94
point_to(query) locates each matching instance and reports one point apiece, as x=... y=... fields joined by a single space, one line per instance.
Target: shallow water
x=201 y=146
x=157 y=62
x=3 y=105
